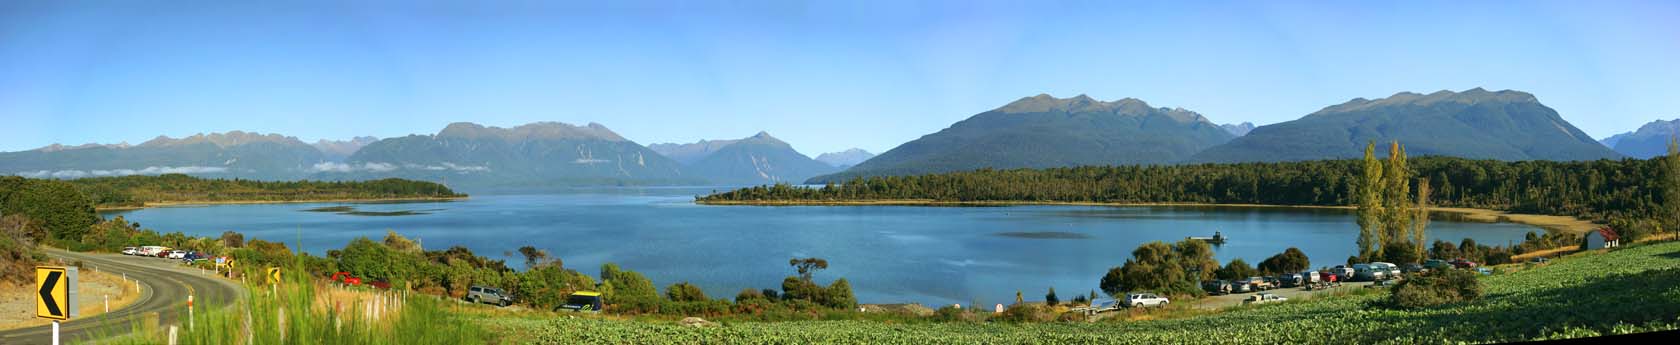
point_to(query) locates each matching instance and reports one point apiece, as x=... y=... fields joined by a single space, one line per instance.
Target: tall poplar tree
x=1370 y=204
x=1396 y=197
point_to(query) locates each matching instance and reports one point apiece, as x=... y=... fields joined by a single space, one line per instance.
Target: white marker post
x=55 y=332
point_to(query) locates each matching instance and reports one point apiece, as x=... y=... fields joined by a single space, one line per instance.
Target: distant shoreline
x=1555 y=223
x=258 y=202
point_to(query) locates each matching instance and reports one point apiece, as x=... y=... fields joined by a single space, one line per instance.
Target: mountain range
x=1475 y=123
x=1032 y=132
x=1650 y=140
x=758 y=159
x=845 y=159
x=233 y=154
x=542 y=154
x=1044 y=131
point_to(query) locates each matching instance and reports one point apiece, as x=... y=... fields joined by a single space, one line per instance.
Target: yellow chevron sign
x=55 y=296
x=273 y=275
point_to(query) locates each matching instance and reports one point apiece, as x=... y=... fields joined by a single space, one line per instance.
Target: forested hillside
x=135 y=191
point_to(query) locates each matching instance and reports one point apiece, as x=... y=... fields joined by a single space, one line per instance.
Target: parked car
x=1102 y=305
x=1274 y=282
x=175 y=254
x=1412 y=268
x=1290 y=280
x=150 y=250
x=1368 y=273
x=130 y=251
x=1436 y=264
x=1241 y=287
x=1265 y=297
x=1217 y=287
x=480 y=294
x=1462 y=263
x=194 y=256
x=1342 y=272
x=1310 y=277
x=1255 y=283
x=1139 y=300
x=582 y=301
x=1389 y=270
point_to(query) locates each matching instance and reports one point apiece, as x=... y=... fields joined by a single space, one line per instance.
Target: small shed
x=1601 y=238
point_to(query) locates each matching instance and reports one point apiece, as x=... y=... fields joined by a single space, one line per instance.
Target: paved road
x=164 y=286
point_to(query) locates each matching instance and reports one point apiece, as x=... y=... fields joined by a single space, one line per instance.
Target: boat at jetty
x=1217 y=238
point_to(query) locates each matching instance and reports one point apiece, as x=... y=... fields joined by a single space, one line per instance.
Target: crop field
x=1631 y=290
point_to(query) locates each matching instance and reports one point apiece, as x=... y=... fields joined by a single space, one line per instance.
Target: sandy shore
x=1554 y=223
x=256 y=202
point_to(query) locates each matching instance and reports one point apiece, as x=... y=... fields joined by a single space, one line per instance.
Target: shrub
x=1291 y=260
x=684 y=292
x=1437 y=288
x=1027 y=313
x=1050 y=298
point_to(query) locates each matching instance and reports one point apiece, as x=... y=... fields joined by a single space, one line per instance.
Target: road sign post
x=55 y=297
x=273 y=275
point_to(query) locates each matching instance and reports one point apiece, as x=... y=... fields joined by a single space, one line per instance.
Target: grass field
x=1631 y=290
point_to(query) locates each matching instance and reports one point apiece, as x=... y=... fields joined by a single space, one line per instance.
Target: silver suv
x=480 y=294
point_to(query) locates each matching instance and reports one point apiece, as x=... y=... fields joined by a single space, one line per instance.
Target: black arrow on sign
x=46 y=293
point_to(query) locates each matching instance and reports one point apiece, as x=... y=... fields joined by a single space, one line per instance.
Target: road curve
x=165 y=284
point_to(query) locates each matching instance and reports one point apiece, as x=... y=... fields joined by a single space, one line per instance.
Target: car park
x=1367 y=273
x=1139 y=300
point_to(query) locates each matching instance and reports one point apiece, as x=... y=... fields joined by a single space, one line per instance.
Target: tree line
x=1636 y=193
x=136 y=190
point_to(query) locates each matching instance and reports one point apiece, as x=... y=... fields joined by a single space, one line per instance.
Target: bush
x=1290 y=261
x=1027 y=313
x=1050 y=298
x=1437 y=288
x=684 y=292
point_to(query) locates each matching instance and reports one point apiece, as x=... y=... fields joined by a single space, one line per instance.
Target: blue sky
x=822 y=76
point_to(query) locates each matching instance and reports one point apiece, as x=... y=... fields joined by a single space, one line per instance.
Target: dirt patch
x=17 y=302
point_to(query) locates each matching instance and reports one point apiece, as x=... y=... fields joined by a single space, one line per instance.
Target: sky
x=823 y=76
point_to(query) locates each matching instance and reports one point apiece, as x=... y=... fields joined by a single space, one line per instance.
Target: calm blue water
x=930 y=255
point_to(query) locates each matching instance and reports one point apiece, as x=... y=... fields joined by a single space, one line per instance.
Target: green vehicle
x=1436 y=264
x=583 y=302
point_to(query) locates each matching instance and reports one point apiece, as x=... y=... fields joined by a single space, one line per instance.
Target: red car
x=1462 y=263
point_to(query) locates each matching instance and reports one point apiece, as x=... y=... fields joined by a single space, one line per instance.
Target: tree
x=807 y=266
x=1397 y=213
x=1197 y=259
x=1050 y=298
x=232 y=239
x=533 y=257
x=1370 y=203
x=1237 y=269
x=839 y=295
x=684 y=292
x=626 y=284
x=399 y=243
x=1671 y=185
x=1113 y=282
x=1420 y=220
x=1290 y=261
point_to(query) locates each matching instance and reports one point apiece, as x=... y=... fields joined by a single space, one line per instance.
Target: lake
x=891 y=254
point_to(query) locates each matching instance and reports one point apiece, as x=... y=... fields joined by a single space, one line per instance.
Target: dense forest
x=136 y=190
x=1601 y=190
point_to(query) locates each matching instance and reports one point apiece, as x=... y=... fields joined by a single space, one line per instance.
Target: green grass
x=296 y=314
x=1635 y=289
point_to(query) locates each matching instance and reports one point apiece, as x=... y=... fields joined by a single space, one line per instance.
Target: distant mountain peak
x=1238 y=129
x=223 y=140
x=546 y=130
x=1044 y=103
x=1471 y=96
x=844 y=159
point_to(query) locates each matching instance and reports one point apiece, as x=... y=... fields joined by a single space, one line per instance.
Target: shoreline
x=1566 y=224
x=260 y=202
